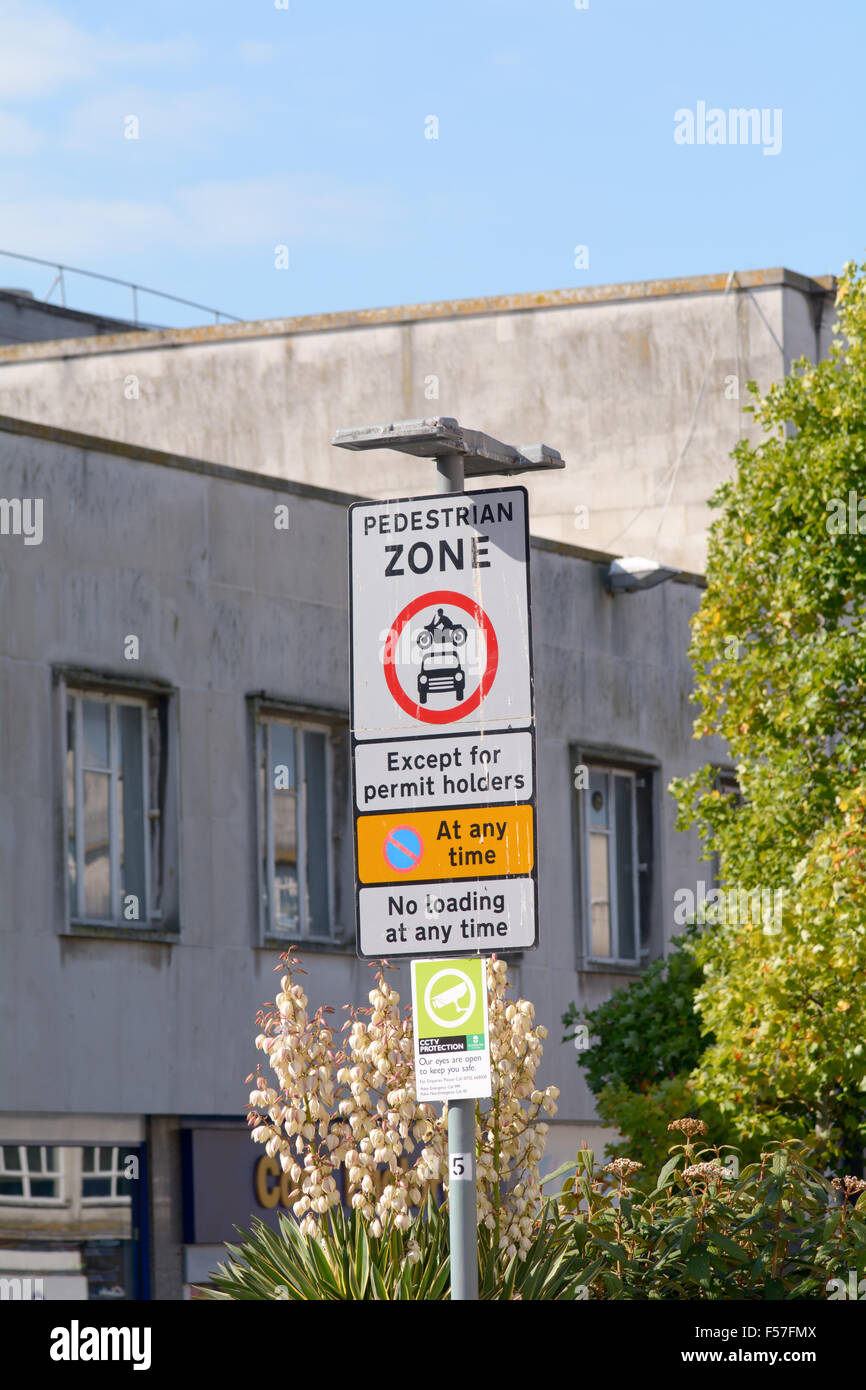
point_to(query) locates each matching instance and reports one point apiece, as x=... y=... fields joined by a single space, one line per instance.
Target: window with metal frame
x=295 y=856
x=113 y=828
x=102 y=1177
x=725 y=782
x=29 y=1173
x=614 y=815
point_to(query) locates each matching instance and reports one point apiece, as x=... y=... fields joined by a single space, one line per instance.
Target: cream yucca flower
x=356 y=1110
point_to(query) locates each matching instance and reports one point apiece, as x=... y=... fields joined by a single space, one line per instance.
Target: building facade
x=25 y=319
x=172 y=630
x=639 y=386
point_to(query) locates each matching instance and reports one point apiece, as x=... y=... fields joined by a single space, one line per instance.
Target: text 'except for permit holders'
x=456 y=771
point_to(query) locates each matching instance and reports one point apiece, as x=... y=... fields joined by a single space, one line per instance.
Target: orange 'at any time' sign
x=433 y=845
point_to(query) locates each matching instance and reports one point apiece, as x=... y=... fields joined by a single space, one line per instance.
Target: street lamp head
x=633 y=572
x=441 y=435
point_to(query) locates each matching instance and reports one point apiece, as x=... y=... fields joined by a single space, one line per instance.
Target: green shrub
x=642 y=1118
x=647 y=1041
x=777 y=1231
x=647 y=1031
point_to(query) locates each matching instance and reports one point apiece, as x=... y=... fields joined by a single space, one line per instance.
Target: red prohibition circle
x=412 y=707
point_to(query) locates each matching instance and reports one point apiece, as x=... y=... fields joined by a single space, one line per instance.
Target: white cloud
x=252 y=215
x=17 y=136
x=42 y=50
x=300 y=207
x=175 y=121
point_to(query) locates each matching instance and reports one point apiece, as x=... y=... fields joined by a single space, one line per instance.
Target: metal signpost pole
x=449 y=473
x=462 y=1196
x=403 y=835
x=462 y=1216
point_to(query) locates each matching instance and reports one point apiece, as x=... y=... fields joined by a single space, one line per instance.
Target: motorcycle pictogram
x=441 y=629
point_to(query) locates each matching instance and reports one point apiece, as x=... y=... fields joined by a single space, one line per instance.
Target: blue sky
x=305 y=127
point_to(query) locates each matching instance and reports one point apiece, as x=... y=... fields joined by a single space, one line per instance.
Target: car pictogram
x=441 y=671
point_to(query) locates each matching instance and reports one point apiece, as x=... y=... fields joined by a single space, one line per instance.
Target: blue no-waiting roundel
x=403 y=848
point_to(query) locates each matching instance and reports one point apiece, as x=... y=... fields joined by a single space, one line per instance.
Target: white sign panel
x=443 y=736
x=440 y=614
x=444 y=771
x=421 y=919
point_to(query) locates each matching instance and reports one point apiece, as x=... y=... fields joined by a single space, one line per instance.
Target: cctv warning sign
x=452 y=1031
x=443 y=728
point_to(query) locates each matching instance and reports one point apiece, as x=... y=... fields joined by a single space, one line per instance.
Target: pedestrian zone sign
x=452 y=1037
x=443 y=724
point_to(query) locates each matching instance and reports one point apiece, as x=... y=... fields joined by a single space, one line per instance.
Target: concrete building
x=162 y=644
x=25 y=319
x=640 y=386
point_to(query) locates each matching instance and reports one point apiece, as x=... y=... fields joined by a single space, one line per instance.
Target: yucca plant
x=552 y=1268
x=347 y=1263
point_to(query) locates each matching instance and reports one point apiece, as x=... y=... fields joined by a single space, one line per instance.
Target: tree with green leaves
x=779 y=651
x=639 y=1048
x=787 y=1006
